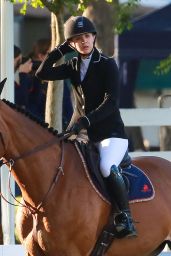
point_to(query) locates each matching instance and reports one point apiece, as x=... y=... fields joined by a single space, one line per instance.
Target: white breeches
x=112 y=151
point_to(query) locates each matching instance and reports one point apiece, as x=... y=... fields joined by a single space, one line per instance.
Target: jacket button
x=83 y=107
x=82 y=96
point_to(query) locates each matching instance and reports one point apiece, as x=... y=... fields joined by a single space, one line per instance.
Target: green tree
x=58 y=9
x=164 y=66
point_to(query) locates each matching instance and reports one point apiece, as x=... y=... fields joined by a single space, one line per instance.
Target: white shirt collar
x=84 y=66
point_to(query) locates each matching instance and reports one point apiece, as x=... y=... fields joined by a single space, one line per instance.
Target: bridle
x=59 y=171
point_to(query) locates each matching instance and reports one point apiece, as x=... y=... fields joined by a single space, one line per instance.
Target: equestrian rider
x=94 y=78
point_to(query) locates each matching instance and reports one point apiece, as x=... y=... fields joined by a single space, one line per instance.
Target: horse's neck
x=34 y=171
x=58 y=169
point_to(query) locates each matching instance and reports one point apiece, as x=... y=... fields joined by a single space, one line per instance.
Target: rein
x=38 y=148
x=11 y=162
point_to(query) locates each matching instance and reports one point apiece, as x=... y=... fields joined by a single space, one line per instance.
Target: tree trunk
x=55 y=89
x=103 y=15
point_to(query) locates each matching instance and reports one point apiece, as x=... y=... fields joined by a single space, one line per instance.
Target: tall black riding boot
x=123 y=220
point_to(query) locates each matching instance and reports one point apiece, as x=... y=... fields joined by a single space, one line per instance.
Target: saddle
x=138 y=185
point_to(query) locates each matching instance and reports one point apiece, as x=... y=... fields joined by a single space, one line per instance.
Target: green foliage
x=25 y=3
x=124 y=13
x=53 y=5
x=75 y=6
x=124 y=10
x=164 y=66
x=82 y=4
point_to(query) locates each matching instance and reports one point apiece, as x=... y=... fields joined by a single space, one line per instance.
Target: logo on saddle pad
x=146 y=188
x=140 y=187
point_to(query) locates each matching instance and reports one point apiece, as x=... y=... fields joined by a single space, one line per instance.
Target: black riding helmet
x=78 y=25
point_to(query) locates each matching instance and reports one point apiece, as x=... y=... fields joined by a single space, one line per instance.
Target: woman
x=37 y=92
x=22 y=81
x=95 y=82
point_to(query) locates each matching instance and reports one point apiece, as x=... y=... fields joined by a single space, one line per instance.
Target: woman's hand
x=65 y=48
x=26 y=67
x=82 y=123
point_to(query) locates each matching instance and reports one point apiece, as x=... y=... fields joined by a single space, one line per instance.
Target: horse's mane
x=31 y=116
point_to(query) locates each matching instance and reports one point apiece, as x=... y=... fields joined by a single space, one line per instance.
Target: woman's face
x=83 y=43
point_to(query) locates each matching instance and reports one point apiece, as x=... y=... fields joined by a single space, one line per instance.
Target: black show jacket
x=96 y=96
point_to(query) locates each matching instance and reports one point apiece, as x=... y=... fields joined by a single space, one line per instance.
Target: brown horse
x=62 y=215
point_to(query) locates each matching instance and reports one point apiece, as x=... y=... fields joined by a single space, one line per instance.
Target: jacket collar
x=96 y=56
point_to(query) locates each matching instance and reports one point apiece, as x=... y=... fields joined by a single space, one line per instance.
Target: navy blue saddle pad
x=139 y=185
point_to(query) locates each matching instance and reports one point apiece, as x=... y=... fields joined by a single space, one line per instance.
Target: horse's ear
x=2 y=85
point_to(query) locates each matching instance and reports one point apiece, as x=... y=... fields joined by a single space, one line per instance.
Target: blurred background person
x=22 y=82
x=38 y=90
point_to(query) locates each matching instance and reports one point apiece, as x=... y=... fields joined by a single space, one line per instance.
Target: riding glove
x=65 y=48
x=82 y=123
